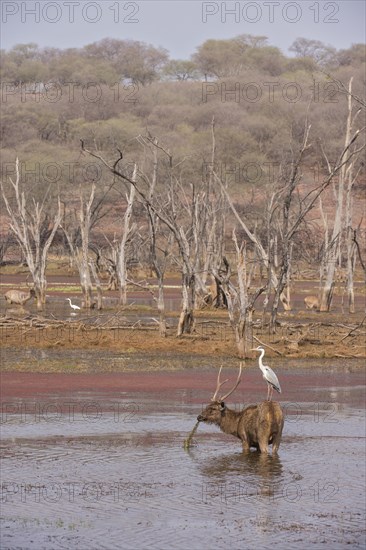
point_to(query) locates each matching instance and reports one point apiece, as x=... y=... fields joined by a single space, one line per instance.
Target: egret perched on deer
x=268 y=375
x=256 y=425
x=73 y=306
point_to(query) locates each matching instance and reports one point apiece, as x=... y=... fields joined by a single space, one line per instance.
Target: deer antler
x=236 y=385
x=219 y=384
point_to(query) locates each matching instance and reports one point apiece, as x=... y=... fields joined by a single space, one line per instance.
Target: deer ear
x=222 y=406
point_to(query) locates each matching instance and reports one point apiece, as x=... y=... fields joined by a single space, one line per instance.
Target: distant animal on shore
x=311 y=302
x=19 y=297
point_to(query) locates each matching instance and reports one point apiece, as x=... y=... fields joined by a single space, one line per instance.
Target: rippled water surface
x=90 y=469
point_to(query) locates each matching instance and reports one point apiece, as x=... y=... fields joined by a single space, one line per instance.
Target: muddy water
x=58 y=307
x=97 y=461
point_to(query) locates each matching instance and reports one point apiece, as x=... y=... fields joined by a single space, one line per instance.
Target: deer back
x=261 y=421
x=18 y=296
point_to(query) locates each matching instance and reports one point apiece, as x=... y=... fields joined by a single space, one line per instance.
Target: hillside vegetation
x=129 y=158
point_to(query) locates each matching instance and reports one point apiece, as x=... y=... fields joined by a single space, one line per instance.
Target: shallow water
x=57 y=306
x=90 y=468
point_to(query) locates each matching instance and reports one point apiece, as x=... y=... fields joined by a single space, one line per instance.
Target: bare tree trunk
x=244 y=335
x=275 y=251
x=239 y=304
x=327 y=290
x=350 y=267
x=286 y=296
x=209 y=233
x=326 y=295
x=159 y=266
x=186 y=318
x=40 y=289
x=351 y=261
x=161 y=308
x=186 y=321
x=158 y=261
x=84 y=266
x=287 y=232
x=80 y=251
x=26 y=222
x=323 y=262
x=85 y=280
x=350 y=242
x=98 y=286
x=122 y=256
x=5 y=244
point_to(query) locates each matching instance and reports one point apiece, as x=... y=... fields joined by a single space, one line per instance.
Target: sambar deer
x=311 y=302
x=19 y=297
x=256 y=426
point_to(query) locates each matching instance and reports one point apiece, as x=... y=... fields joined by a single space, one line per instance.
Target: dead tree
x=292 y=219
x=351 y=245
x=127 y=231
x=201 y=232
x=110 y=261
x=287 y=233
x=160 y=243
x=212 y=234
x=240 y=304
x=347 y=160
x=78 y=223
x=27 y=222
x=80 y=248
x=98 y=285
x=5 y=243
x=170 y=219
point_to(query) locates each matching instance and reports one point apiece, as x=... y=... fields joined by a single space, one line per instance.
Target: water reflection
x=252 y=466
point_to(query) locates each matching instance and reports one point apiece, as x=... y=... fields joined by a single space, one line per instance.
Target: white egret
x=268 y=375
x=73 y=306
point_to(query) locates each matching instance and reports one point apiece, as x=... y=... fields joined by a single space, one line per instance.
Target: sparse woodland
x=238 y=169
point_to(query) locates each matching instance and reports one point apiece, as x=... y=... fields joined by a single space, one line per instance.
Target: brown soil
x=315 y=340
x=300 y=333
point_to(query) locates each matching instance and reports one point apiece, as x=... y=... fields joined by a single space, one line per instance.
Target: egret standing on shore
x=73 y=306
x=268 y=375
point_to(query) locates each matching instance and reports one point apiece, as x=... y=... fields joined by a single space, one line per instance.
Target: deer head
x=31 y=289
x=215 y=411
x=256 y=426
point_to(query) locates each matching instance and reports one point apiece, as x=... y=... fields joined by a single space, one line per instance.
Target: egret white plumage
x=268 y=375
x=73 y=306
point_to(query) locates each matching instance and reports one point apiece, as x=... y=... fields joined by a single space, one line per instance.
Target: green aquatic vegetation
x=64 y=288
x=188 y=442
